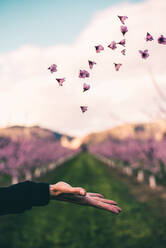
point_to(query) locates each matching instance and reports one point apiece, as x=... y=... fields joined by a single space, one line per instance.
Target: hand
x=62 y=187
x=64 y=192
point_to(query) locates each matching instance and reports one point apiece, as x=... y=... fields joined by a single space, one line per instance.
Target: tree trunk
x=37 y=172
x=140 y=176
x=28 y=175
x=129 y=171
x=14 y=179
x=51 y=166
x=152 y=182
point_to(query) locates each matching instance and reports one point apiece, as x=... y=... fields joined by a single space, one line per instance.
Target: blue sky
x=46 y=22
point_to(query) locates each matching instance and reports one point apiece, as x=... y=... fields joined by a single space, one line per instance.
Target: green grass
x=58 y=225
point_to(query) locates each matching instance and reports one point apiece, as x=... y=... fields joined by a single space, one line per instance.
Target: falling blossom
x=149 y=37
x=144 y=54
x=52 y=68
x=122 y=19
x=162 y=40
x=123 y=51
x=86 y=87
x=112 y=45
x=83 y=74
x=122 y=42
x=84 y=108
x=117 y=66
x=91 y=64
x=124 y=29
x=99 y=48
x=60 y=81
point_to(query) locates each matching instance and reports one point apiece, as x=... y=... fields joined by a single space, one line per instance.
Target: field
x=142 y=223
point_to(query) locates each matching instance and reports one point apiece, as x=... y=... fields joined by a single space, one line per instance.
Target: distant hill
x=14 y=132
x=155 y=129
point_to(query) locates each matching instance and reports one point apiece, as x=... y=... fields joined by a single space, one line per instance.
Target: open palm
x=65 y=192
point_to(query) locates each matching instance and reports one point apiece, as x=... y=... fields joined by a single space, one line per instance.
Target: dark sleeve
x=23 y=196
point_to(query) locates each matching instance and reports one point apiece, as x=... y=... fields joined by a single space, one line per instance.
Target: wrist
x=52 y=191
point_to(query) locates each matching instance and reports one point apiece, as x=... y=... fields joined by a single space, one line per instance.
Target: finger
x=83 y=199
x=105 y=200
x=77 y=190
x=95 y=195
x=98 y=204
x=90 y=201
x=108 y=207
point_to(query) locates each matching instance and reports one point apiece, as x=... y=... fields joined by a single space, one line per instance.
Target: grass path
x=58 y=225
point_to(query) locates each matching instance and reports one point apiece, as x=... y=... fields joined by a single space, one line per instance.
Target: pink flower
x=83 y=74
x=122 y=42
x=162 y=40
x=60 y=81
x=122 y=19
x=144 y=54
x=83 y=108
x=112 y=45
x=86 y=87
x=99 y=48
x=91 y=63
x=117 y=66
x=149 y=37
x=123 y=51
x=52 y=68
x=124 y=29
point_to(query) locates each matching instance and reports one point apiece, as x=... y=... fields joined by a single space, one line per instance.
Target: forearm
x=23 y=196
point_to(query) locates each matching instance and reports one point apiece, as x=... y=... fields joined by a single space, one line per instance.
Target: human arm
x=77 y=195
x=23 y=196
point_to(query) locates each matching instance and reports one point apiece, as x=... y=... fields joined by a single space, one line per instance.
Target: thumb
x=78 y=190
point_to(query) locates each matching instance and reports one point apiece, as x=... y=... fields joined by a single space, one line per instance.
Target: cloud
x=29 y=93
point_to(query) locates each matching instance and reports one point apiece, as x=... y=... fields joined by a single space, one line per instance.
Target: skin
x=62 y=191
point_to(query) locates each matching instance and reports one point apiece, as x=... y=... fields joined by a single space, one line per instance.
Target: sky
x=46 y=23
x=36 y=34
